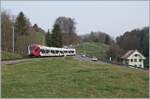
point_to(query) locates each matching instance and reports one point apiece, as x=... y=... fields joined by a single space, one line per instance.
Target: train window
x=57 y=51
x=52 y=51
x=42 y=50
x=61 y=52
x=47 y=51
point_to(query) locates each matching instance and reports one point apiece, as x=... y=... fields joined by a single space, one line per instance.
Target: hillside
x=67 y=77
x=93 y=49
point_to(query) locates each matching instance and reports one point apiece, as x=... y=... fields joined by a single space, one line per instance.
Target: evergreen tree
x=22 y=29
x=35 y=27
x=22 y=24
x=48 y=39
x=56 y=36
x=107 y=39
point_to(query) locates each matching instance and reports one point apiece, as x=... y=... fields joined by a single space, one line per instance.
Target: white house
x=133 y=58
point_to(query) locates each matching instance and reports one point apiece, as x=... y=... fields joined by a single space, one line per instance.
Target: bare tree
x=68 y=29
x=6 y=31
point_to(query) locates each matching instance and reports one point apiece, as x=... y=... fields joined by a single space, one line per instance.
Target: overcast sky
x=112 y=17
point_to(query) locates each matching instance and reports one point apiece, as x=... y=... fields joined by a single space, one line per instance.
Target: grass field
x=93 y=49
x=10 y=56
x=66 y=77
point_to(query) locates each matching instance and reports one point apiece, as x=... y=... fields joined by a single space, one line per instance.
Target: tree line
x=135 y=39
x=62 y=34
x=24 y=33
x=98 y=37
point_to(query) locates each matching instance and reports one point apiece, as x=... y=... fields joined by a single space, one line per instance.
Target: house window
x=131 y=60
x=135 y=60
x=135 y=55
x=140 y=60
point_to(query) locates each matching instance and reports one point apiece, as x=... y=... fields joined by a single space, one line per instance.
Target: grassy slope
x=10 y=56
x=93 y=49
x=59 y=77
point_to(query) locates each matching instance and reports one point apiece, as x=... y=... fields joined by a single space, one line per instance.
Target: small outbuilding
x=133 y=58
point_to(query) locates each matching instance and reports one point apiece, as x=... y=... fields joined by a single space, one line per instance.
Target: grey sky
x=112 y=17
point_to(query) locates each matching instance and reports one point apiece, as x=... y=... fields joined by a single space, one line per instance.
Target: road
x=81 y=58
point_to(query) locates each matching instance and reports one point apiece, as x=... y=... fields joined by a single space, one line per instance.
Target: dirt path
x=9 y=62
x=80 y=58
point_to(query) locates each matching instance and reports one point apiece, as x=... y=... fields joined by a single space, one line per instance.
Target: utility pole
x=13 y=36
x=84 y=49
x=13 y=42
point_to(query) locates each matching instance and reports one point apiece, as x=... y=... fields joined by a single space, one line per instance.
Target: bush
x=146 y=62
x=10 y=56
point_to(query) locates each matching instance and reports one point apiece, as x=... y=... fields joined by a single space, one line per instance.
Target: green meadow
x=70 y=78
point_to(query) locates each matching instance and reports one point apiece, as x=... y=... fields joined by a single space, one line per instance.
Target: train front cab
x=34 y=50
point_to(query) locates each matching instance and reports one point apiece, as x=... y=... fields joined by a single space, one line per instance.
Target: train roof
x=54 y=48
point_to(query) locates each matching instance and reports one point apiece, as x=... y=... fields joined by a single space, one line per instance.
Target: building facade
x=133 y=58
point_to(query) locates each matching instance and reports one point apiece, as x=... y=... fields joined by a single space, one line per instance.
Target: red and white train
x=39 y=50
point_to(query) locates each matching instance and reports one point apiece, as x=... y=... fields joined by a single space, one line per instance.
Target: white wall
x=137 y=62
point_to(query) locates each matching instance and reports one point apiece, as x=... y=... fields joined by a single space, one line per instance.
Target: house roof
x=127 y=54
